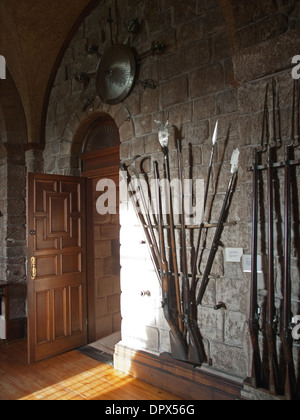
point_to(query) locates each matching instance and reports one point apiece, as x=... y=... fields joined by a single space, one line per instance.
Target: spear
x=219 y=230
x=194 y=272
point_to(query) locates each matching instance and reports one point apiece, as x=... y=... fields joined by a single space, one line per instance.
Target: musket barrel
x=286 y=334
x=271 y=316
x=256 y=374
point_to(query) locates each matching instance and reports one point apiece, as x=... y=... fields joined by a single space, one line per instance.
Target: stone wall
x=12 y=197
x=216 y=67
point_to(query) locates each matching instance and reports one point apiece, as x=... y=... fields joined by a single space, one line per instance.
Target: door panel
x=57 y=319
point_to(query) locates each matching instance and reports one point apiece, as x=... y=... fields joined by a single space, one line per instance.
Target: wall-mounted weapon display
x=117 y=69
x=265 y=323
x=179 y=288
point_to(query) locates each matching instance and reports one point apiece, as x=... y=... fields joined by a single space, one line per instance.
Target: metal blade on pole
x=195 y=264
x=219 y=230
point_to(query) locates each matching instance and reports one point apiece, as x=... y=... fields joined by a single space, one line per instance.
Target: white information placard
x=247 y=264
x=233 y=255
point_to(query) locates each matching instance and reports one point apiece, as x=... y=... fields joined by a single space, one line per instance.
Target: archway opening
x=100 y=166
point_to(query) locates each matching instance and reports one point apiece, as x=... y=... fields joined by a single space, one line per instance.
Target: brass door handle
x=33 y=268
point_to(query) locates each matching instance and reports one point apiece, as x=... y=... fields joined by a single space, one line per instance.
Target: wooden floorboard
x=71 y=376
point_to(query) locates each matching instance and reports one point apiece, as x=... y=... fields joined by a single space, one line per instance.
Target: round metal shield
x=115 y=74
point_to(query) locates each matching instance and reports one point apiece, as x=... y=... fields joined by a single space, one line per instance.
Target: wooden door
x=57 y=318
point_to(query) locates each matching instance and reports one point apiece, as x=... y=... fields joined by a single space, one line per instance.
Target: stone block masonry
x=213 y=69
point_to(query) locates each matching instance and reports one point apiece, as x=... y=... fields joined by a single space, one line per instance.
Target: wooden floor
x=71 y=376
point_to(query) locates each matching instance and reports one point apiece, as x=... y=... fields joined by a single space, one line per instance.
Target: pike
x=271 y=321
x=219 y=230
x=256 y=372
x=286 y=333
x=194 y=271
x=163 y=136
x=196 y=352
x=178 y=346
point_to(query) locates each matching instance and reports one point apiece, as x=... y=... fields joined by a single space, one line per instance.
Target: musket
x=286 y=333
x=220 y=227
x=178 y=345
x=164 y=141
x=256 y=371
x=271 y=320
x=196 y=352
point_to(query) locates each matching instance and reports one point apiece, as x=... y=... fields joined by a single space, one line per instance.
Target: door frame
x=100 y=164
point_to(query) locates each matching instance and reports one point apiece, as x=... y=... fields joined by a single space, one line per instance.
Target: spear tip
x=163 y=133
x=235 y=161
x=215 y=136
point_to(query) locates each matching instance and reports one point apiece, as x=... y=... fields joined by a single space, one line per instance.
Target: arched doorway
x=100 y=166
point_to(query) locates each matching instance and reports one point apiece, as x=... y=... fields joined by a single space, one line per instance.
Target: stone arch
x=102 y=134
x=14 y=122
x=63 y=156
x=13 y=137
x=81 y=126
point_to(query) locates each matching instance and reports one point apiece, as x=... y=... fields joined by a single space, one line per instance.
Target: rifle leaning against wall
x=256 y=372
x=271 y=319
x=286 y=333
